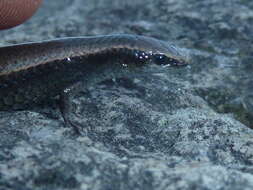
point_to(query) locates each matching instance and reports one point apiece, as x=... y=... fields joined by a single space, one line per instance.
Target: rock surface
x=161 y=128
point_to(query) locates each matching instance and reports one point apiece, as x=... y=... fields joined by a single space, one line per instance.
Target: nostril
x=179 y=63
x=15 y=12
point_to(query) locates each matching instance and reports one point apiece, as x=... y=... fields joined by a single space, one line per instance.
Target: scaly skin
x=31 y=73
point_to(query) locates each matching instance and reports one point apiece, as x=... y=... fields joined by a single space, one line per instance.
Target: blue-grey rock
x=156 y=128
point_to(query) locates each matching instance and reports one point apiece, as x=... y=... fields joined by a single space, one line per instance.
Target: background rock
x=175 y=128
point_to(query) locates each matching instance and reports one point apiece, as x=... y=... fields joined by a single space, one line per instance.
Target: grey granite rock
x=155 y=128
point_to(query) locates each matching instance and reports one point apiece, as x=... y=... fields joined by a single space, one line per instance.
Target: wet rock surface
x=158 y=128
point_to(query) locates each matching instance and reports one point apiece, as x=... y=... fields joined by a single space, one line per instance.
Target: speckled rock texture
x=159 y=128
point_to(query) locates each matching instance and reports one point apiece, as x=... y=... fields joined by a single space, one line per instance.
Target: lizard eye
x=161 y=59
